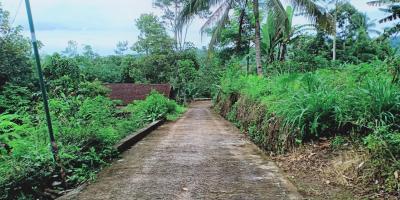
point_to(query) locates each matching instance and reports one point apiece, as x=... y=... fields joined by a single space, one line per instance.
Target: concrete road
x=200 y=156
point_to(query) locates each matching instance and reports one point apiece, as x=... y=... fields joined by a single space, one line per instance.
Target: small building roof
x=129 y=92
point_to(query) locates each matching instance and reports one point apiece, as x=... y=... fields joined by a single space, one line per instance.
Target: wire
x=16 y=12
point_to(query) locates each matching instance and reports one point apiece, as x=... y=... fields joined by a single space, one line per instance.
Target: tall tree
x=257 y=39
x=336 y=4
x=171 y=9
x=15 y=53
x=153 y=38
x=122 y=47
x=88 y=52
x=71 y=50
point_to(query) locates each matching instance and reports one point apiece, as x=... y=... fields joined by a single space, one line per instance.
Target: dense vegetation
x=314 y=86
x=353 y=101
x=87 y=124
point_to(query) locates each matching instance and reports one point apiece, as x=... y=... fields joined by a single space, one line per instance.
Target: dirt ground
x=200 y=156
x=322 y=172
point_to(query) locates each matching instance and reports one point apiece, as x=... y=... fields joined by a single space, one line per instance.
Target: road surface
x=200 y=156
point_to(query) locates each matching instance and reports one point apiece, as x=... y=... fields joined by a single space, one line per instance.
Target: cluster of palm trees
x=279 y=17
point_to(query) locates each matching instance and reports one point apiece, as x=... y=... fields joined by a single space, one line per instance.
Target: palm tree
x=257 y=39
x=276 y=33
x=393 y=10
x=220 y=16
x=337 y=4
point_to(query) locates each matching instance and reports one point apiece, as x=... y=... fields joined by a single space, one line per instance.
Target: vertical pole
x=335 y=32
x=54 y=147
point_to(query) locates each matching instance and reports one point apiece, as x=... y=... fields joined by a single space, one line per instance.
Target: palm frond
x=194 y=7
x=315 y=13
x=277 y=11
x=217 y=15
x=382 y=2
x=394 y=11
x=289 y=23
x=389 y=32
x=216 y=35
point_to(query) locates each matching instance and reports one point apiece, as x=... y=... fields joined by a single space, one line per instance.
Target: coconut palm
x=219 y=17
x=393 y=10
x=277 y=36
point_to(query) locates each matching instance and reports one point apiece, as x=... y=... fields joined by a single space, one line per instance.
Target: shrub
x=156 y=106
x=86 y=129
x=15 y=99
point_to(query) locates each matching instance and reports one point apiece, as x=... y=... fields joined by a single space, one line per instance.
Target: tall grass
x=321 y=102
x=354 y=99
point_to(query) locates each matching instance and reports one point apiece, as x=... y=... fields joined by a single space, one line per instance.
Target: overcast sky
x=102 y=23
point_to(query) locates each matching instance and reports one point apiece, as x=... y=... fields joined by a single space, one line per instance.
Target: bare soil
x=322 y=172
x=200 y=156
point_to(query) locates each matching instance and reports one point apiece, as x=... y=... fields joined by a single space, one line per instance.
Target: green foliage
x=319 y=103
x=156 y=106
x=153 y=38
x=108 y=69
x=208 y=77
x=12 y=126
x=184 y=80
x=338 y=141
x=15 y=99
x=57 y=67
x=384 y=147
x=92 y=89
x=15 y=52
x=86 y=129
x=350 y=100
x=62 y=73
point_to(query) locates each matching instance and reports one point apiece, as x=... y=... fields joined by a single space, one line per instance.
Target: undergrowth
x=86 y=129
x=338 y=102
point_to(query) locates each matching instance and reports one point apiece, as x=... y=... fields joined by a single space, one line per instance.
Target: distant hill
x=395 y=42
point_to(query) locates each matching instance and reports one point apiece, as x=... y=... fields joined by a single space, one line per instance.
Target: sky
x=103 y=23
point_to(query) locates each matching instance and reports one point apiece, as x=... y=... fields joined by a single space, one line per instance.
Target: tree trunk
x=176 y=26
x=334 y=33
x=241 y=21
x=278 y=55
x=257 y=39
x=283 y=52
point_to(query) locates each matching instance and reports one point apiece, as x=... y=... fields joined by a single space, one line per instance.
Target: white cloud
x=102 y=23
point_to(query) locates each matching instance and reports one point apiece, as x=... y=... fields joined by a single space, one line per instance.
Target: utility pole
x=54 y=147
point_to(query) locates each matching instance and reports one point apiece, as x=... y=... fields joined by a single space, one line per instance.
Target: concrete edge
x=132 y=139
x=202 y=99
x=121 y=146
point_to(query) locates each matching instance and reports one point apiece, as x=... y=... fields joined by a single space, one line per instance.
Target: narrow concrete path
x=201 y=156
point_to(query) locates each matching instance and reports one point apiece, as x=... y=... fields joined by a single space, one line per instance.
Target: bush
x=86 y=129
x=156 y=106
x=15 y=99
